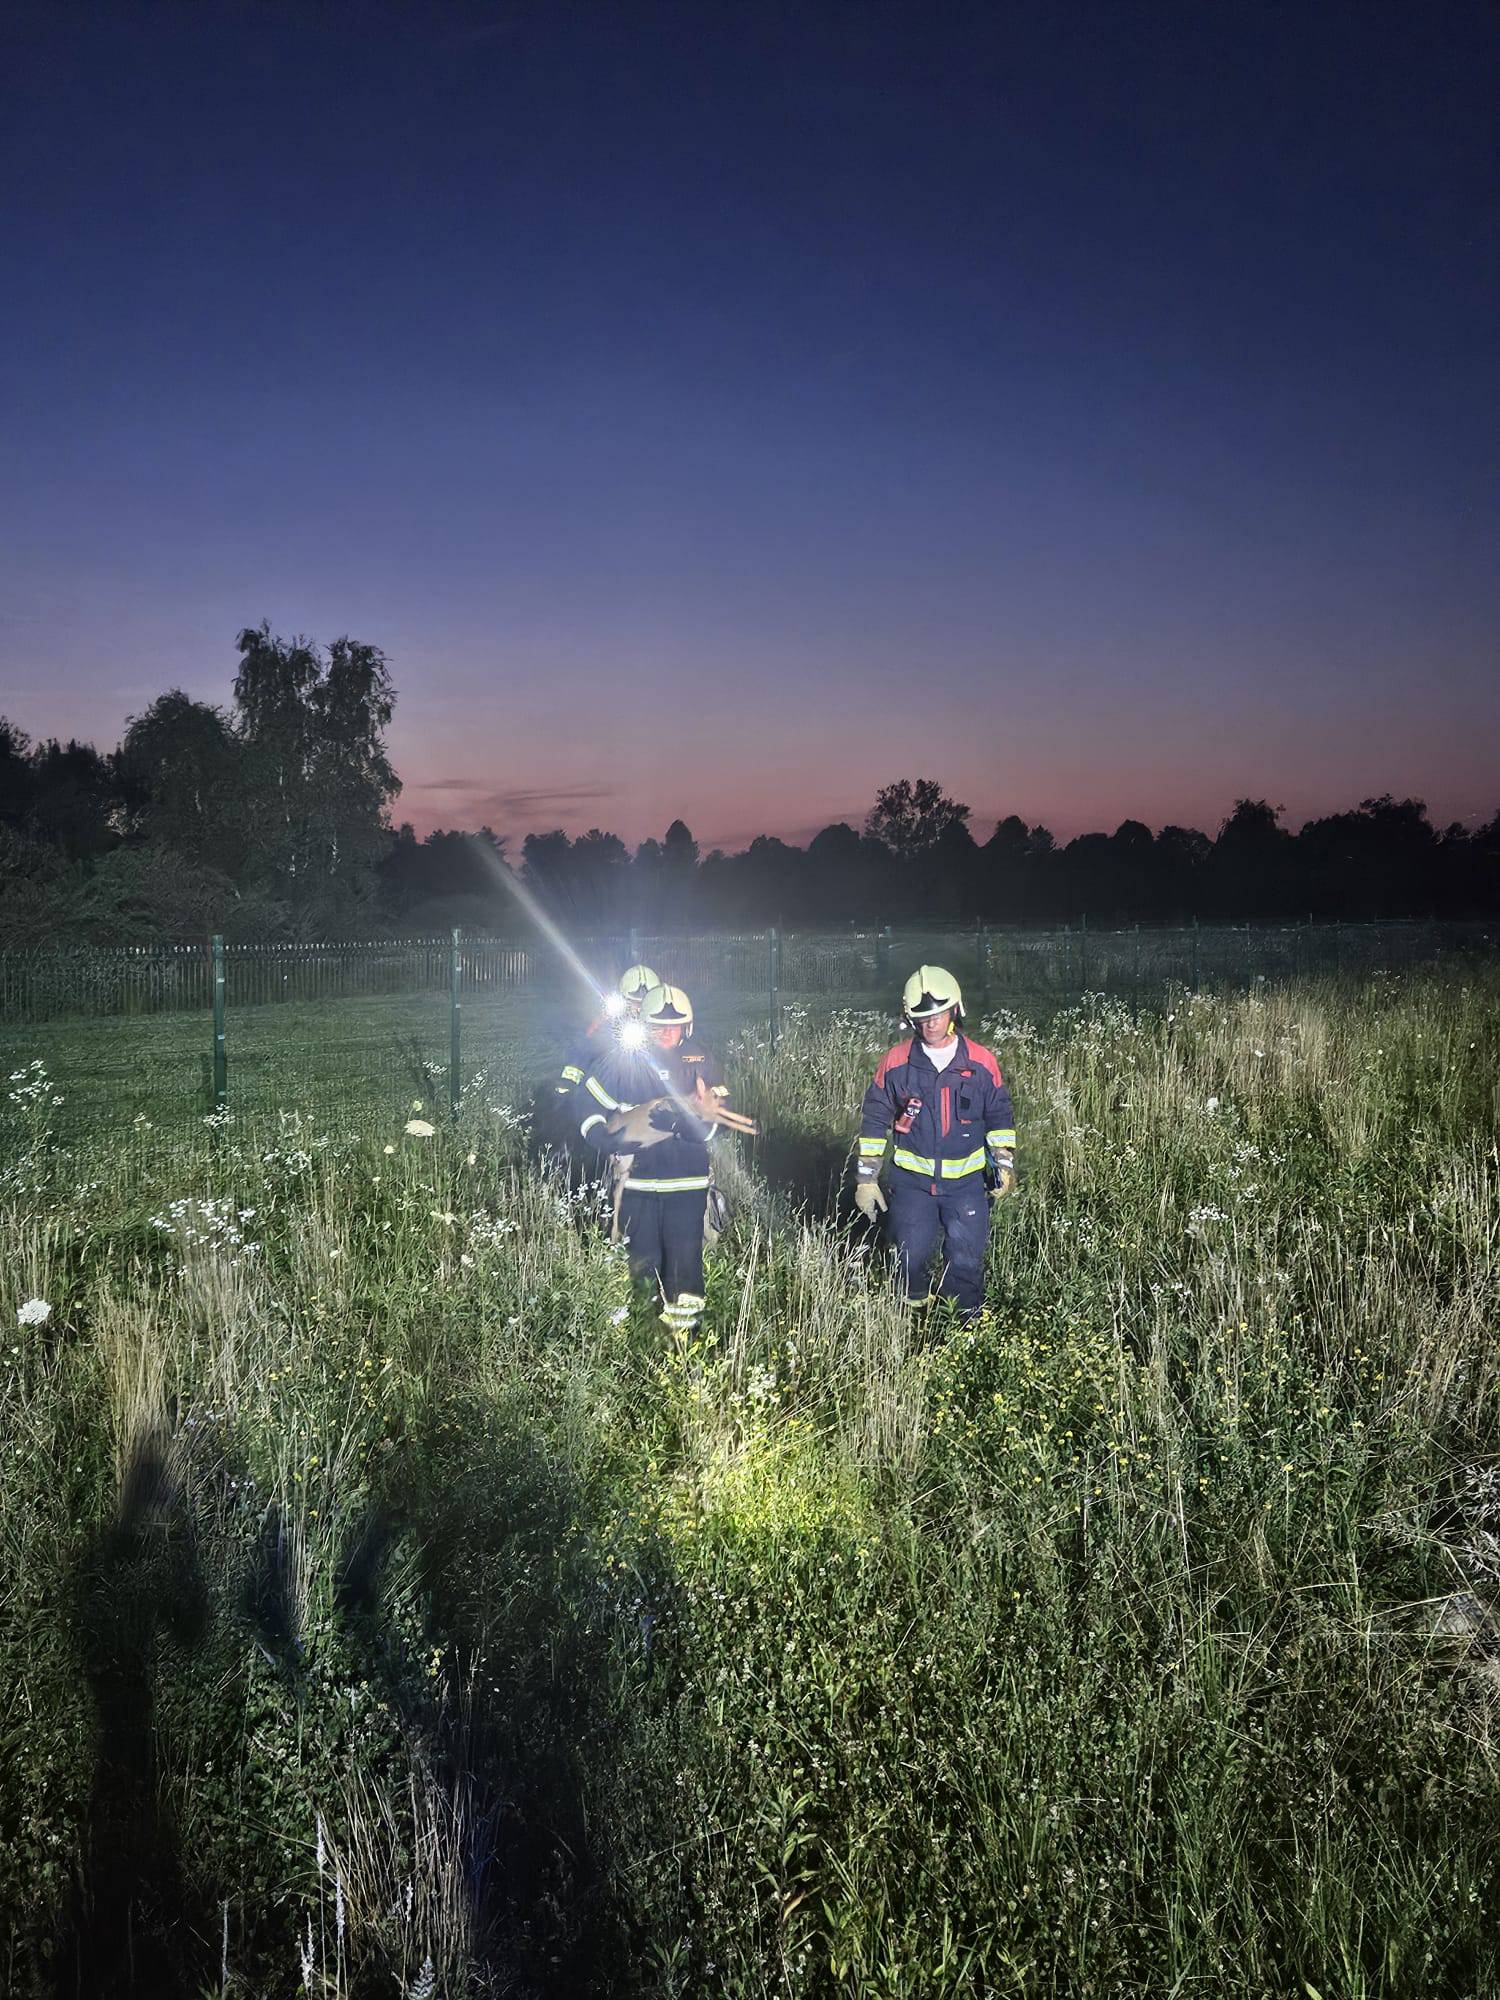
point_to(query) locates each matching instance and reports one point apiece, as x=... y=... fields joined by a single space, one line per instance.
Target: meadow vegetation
x=390 y=1607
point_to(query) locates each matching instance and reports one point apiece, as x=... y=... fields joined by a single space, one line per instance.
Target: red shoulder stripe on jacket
x=986 y=1059
x=894 y=1058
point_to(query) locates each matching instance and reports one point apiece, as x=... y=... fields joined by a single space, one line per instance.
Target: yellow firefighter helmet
x=667 y=1007
x=632 y=986
x=932 y=989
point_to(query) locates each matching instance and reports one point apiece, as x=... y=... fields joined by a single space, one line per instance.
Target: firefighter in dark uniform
x=556 y=1114
x=941 y=1099
x=659 y=1105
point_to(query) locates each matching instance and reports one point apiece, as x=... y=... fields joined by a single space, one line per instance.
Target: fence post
x=1135 y=1007
x=1197 y=964
x=773 y=967
x=1083 y=954
x=984 y=958
x=221 y=1060
x=882 y=955
x=455 y=1013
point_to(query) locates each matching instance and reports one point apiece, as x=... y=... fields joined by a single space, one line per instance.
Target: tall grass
x=390 y=1607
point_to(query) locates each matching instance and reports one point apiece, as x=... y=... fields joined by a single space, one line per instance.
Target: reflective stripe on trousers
x=665 y=1235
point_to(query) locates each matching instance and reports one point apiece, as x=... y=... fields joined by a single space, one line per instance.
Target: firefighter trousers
x=665 y=1235
x=957 y=1220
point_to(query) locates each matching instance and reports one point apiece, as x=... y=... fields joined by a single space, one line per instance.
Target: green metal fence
x=159 y=1034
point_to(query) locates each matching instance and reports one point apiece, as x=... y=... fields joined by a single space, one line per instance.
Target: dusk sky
x=718 y=412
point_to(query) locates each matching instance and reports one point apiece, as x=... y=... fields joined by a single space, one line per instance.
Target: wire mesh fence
x=136 y=1036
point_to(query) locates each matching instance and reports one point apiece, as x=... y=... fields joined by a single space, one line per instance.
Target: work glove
x=1005 y=1177
x=868 y=1199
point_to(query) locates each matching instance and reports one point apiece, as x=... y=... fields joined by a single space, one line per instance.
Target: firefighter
x=659 y=1107
x=555 y=1112
x=942 y=1100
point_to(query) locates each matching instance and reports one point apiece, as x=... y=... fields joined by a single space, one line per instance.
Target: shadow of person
x=268 y=1593
x=140 y=1583
x=525 y=1694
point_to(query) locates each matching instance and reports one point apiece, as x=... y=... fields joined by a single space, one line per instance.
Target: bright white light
x=543 y=922
x=614 y=1005
x=574 y=963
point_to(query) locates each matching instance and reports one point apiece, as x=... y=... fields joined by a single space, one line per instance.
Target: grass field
x=390 y=1608
x=318 y=1057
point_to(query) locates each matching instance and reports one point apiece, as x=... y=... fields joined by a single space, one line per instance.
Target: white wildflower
x=1212 y=1104
x=390 y=1149
x=35 y=1312
x=418 y=1128
x=1203 y=1218
x=619 y=1316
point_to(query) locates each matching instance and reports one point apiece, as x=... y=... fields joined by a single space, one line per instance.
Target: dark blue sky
x=722 y=411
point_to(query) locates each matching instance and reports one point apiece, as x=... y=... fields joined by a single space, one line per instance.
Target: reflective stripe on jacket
x=677 y=1162
x=945 y=1123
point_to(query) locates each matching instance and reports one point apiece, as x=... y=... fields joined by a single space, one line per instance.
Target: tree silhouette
x=313 y=734
x=15 y=774
x=911 y=817
x=181 y=781
x=71 y=799
x=447 y=879
x=1250 y=874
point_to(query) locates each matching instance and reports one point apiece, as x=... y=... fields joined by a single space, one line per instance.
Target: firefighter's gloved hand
x=1005 y=1177
x=629 y=1130
x=868 y=1199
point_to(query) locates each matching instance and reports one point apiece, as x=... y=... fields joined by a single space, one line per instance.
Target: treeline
x=271 y=819
x=1383 y=859
x=266 y=819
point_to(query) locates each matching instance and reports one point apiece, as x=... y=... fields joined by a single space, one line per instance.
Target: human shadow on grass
x=140 y=1584
x=494 y=1538
x=514 y=1605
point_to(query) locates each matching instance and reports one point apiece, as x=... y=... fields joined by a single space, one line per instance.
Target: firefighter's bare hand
x=715 y=1111
x=630 y=1129
x=868 y=1199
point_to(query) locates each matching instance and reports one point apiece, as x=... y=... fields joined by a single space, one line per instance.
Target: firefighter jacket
x=598 y=1035
x=946 y=1123
x=677 y=1162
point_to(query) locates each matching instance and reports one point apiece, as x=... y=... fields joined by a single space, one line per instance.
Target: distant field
x=314 y=1057
x=327 y=1054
